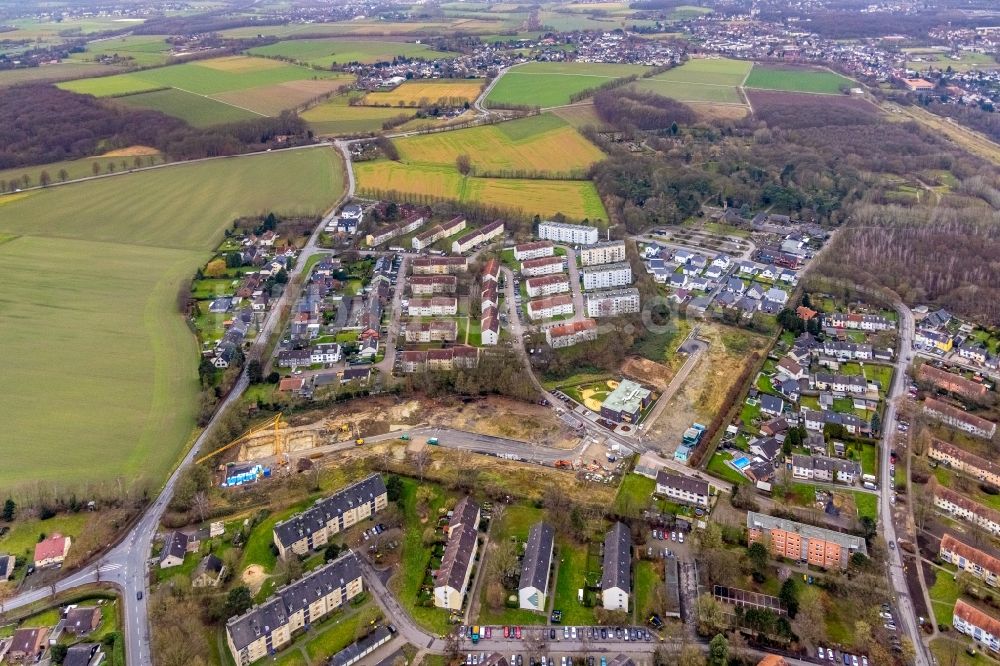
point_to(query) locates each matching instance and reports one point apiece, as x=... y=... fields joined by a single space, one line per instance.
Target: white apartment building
x=574 y=234
x=547 y=285
x=612 y=303
x=534 y=250
x=607 y=275
x=553 y=306
x=436 y=306
x=542 y=266
x=605 y=252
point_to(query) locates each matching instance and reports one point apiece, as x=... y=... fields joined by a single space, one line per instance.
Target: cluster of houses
x=210 y=571
x=700 y=280
x=28 y=645
x=939 y=333
x=968 y=618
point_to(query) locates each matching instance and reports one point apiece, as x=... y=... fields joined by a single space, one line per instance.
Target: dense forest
x=641 y=110
x=44 y=124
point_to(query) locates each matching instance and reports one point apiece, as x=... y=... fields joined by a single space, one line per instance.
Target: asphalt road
x=897 y=576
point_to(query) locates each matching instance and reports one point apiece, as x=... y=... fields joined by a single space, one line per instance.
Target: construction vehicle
x=359 y=441
x=279 y=451
x=563 y=464
x=433 y=441
x=405 y=437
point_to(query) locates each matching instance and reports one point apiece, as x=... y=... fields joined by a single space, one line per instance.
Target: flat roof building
x=626 y=402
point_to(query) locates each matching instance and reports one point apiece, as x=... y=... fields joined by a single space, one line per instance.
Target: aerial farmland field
x=326 y=52
x=63 y=71
x=796 y=79
x=552 y=84
x=97 y=267
x=700 y=80
x=577 y=199
x=144 y=50
x=218 y=90
x=335 y=117
x=543 y=143
x=419 y=92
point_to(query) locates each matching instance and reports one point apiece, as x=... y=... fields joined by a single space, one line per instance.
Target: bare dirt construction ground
x=702 y=395
x=648 y=372
x=254 y=577
x=502 y=417
x=132 y=151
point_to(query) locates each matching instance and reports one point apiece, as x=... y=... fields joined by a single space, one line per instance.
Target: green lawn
x=408 y=579
x=647 y=578
x=717 y=467
x=333 y=636
x=635 y=492
x=571 y=577
x=945 y=648
x=258 y=547
x=944 y=593
x=23 y=534
x=796 y=79
x=867 y=504
x=144 y=50
x=118 y=399
x=552 y=84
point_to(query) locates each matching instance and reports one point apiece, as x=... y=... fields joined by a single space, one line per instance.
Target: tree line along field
x=63 y=71
x=548 y=84
x=543 y=143
x=370 y=28
x=82 y=168
x=97 y=267
x=215 y=91
x=327 y=52
x=336 y=117
x=577 y=199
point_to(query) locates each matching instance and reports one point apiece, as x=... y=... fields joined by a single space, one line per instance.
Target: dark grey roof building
x=535 y=567
x=616 y=580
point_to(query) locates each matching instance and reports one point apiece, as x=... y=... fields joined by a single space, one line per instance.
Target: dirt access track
x=492 y=415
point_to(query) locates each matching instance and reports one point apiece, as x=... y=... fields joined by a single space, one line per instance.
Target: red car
x=517 y=632
x=506 y=632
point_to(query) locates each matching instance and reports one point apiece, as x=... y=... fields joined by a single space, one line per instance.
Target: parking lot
x=546 y=645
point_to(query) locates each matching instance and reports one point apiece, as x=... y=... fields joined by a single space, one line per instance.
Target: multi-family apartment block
x=542 y=266
x=612 y=302
x=605 y=252
x=426 y=285
x=439 y=265
x=962 y=507
x=821 y=468
x=973 y=622
x=267 y=628
x=312 y=529
x=547 y=285
x=534 y=250
x=804 y=543
x=434 y=331
x=437 y=232
x=979 y=563
x=606 y=276
x=452 y=579
x=409 y=225
x=960 y=459
x=574 y=234
x=616 y=579
x=435 y=306
x=567 y=335
x=479 y=236
x=550 y=306
x=957 y=418
x=949 y=381
x=682 y=488
x=532 y=590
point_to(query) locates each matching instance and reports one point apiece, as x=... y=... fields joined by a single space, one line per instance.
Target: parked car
x=821 y=653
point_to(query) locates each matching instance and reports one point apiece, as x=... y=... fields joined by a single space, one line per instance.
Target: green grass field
x=543 y=143
x=700 y=80
x=63 y=71
x=81 y=168
x=796 y=79
x=335 y=117
x=577 y=199
x=943 y=593
x=195 y=110
x=95 y=272
x=552 y=84
x=571 y=576
x=326 y=52
x=144 y=50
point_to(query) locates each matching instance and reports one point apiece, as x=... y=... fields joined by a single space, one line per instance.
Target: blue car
x=847 y=660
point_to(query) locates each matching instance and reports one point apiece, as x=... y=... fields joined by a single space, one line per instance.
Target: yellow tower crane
x=278 y=441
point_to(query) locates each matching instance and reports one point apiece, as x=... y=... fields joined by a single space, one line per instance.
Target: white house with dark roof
x=682 y=488
x=532 y=590
x=616 y=579
x=452 y=579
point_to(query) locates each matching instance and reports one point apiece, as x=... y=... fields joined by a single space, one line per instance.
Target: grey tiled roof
x=617 y=559
x=537 y=557
x=316 y=517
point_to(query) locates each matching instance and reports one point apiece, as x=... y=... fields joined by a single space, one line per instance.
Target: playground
x=591 y=394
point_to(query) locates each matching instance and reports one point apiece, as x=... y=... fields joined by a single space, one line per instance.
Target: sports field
x=452 y=92
x=335 y=117
x=220 y=90
x=541 y=143
x=796 y=79
x=95 y=268
x=577 y=199
x=552 y=84
x=700 y=80
x=326 y=52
